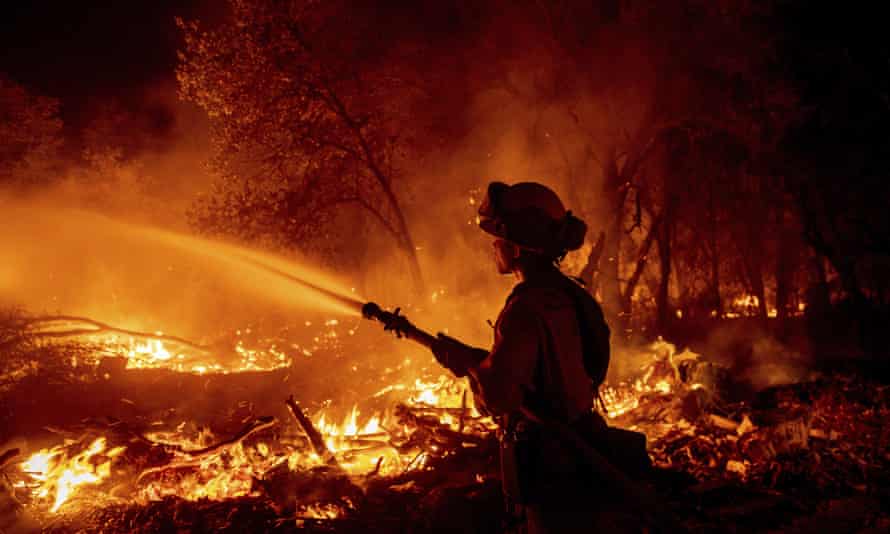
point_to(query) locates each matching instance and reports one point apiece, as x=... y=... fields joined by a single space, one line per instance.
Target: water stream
x=139 y=276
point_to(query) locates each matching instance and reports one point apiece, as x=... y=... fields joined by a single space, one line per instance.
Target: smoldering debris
x=778 y=457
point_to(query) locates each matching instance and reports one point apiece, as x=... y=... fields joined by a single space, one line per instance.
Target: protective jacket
x=538 y=361
x=537 y=358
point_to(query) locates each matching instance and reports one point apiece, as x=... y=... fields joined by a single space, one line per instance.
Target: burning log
x=723 y=423
x=315 y=438
x=322 y=486
x=257 y=425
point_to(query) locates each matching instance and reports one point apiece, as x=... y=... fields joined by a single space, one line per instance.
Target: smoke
x=60 y=259
x=143 y=161
x=504 y=110
x=512 y=94
x=754 y=356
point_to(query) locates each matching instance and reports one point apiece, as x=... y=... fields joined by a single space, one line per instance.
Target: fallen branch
x=440 y=432
x=315 y=438
x=194 y=457
x=95 y=327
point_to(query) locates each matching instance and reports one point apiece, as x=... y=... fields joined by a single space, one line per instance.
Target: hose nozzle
x=371 y=310
x=396 y=322
x=391 y=320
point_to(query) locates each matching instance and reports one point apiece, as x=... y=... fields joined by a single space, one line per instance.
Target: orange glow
x=362 y=440
x=56 y=476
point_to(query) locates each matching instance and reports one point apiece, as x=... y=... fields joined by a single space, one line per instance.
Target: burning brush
x=431 y=437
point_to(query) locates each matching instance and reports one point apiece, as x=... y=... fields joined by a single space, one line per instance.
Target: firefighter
x=550 y=354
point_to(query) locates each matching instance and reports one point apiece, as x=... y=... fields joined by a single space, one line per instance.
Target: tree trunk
x=757 y=287
x=716 y=303
x=406 y=243
x=664 y=263
x=642 y=260
x=370 y=160
x=590 y=273
x=815 y=234
x=609 y=281
x=783 y=275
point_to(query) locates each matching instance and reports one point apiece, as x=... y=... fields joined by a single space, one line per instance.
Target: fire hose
x=641 y=495
x=394 y=321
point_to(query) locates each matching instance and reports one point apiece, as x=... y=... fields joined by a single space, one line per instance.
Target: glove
x=456 y=356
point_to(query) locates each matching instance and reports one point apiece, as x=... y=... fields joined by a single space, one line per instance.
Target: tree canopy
x=705 y=145
x=308 y=122
x=32 y=135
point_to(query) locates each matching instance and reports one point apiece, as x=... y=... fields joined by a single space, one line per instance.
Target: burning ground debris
x=417 y=456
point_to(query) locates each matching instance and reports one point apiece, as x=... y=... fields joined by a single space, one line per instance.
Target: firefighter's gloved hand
x=456 y=356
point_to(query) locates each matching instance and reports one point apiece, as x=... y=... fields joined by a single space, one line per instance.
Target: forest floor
x=803 y=457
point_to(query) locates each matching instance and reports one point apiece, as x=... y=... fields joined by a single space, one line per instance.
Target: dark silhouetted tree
x=308 y=119
x=31 y=130
x=836 y=154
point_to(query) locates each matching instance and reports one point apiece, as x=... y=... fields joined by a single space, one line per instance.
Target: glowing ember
x=624 y=397
x=218 y=476
x=362 y=442
x=155 y=354
x=746 y=301
x=326 y=511
x=152 y=351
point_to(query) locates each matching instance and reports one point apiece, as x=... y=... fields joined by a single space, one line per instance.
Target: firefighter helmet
x=532 y=216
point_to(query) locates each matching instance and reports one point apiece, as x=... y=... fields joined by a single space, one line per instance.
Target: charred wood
x=191 y=458
x=315 y=438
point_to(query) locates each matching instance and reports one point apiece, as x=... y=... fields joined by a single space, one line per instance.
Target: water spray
x=351 y=303
x=392 y=320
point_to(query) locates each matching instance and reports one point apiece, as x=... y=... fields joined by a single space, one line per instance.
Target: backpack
x=594 y=333
x=592 y=327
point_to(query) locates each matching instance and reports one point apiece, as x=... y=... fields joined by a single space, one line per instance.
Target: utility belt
x=534 y=462
x=519 y=458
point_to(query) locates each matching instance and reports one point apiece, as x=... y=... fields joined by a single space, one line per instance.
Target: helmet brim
x=493 y=226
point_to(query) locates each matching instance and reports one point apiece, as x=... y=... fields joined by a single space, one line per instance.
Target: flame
x=155 y=354
x=624 y=397
x=746 y=301
x=321 y=511
x=218 y=477
x=362 y=440
x=361 y=443
x=53 y=473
